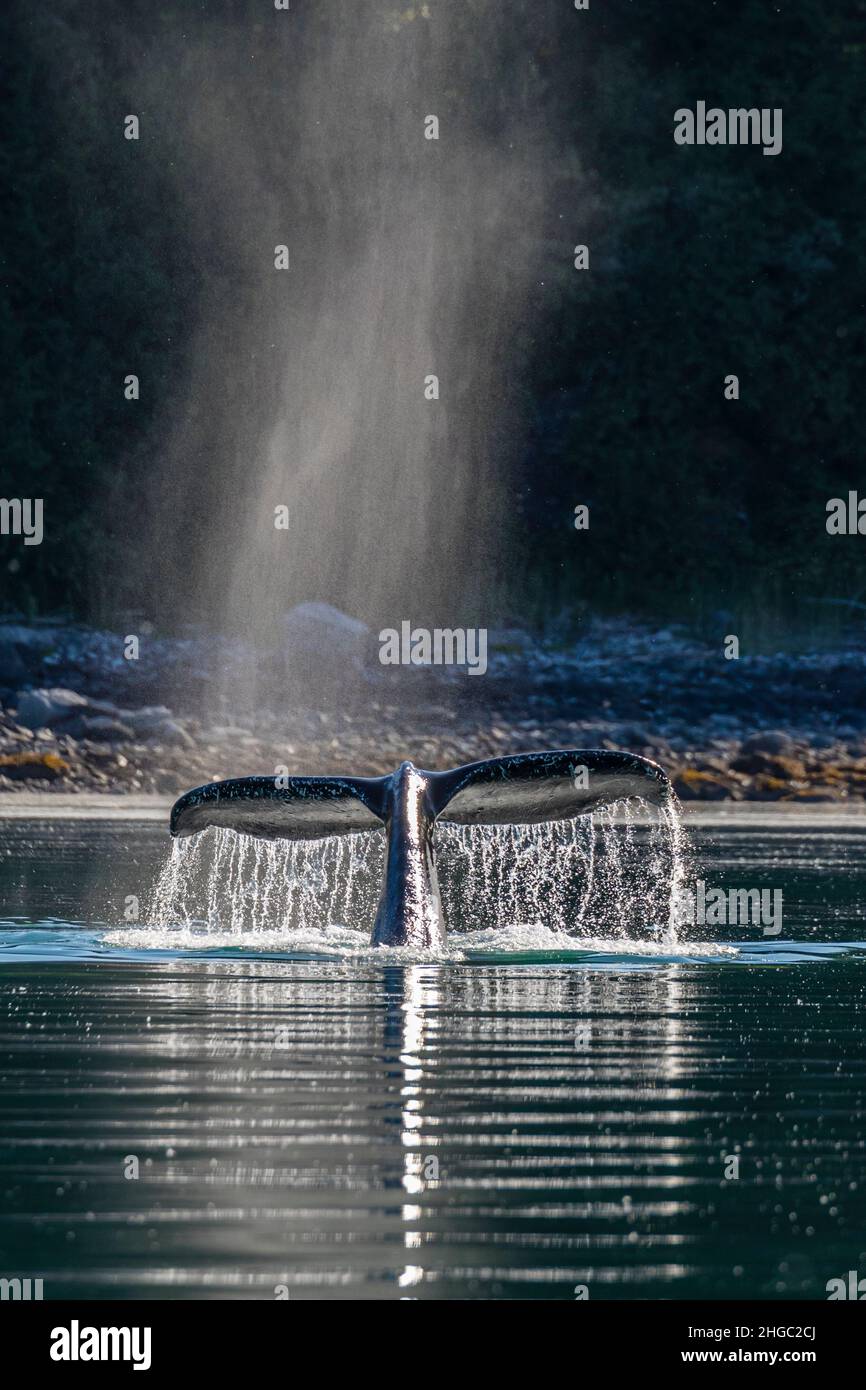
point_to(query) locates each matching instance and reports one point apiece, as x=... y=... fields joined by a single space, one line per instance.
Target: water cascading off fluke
x=523 y=789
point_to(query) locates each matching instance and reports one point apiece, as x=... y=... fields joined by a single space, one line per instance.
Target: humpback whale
x=524 y=789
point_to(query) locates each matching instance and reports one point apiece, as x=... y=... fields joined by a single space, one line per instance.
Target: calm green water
x=512 y=1122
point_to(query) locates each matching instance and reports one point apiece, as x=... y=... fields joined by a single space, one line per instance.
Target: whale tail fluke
x=523 y=789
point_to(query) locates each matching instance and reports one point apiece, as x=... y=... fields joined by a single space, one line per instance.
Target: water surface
x=529 y=1116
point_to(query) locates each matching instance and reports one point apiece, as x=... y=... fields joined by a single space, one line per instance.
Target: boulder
x=693 y=785
x=768 y=741
x=48 y=708
x=324 y=649
x=755 y=763
x=143 y=722
x=169 y=731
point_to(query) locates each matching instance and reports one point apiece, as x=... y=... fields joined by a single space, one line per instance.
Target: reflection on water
x=353 y=1127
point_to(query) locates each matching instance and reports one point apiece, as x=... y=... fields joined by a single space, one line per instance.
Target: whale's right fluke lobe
x=284 y=808
x=527 y=788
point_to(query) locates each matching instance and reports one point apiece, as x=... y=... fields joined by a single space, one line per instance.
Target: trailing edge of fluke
x=524 y=789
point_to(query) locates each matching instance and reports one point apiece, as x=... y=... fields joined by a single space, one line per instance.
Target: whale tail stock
x=524 y=789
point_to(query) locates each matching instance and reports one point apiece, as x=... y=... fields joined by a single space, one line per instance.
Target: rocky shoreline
x=75 y=716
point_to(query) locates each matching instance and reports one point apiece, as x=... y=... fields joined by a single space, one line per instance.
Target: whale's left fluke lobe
x=523 y=789
x=528 y=788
